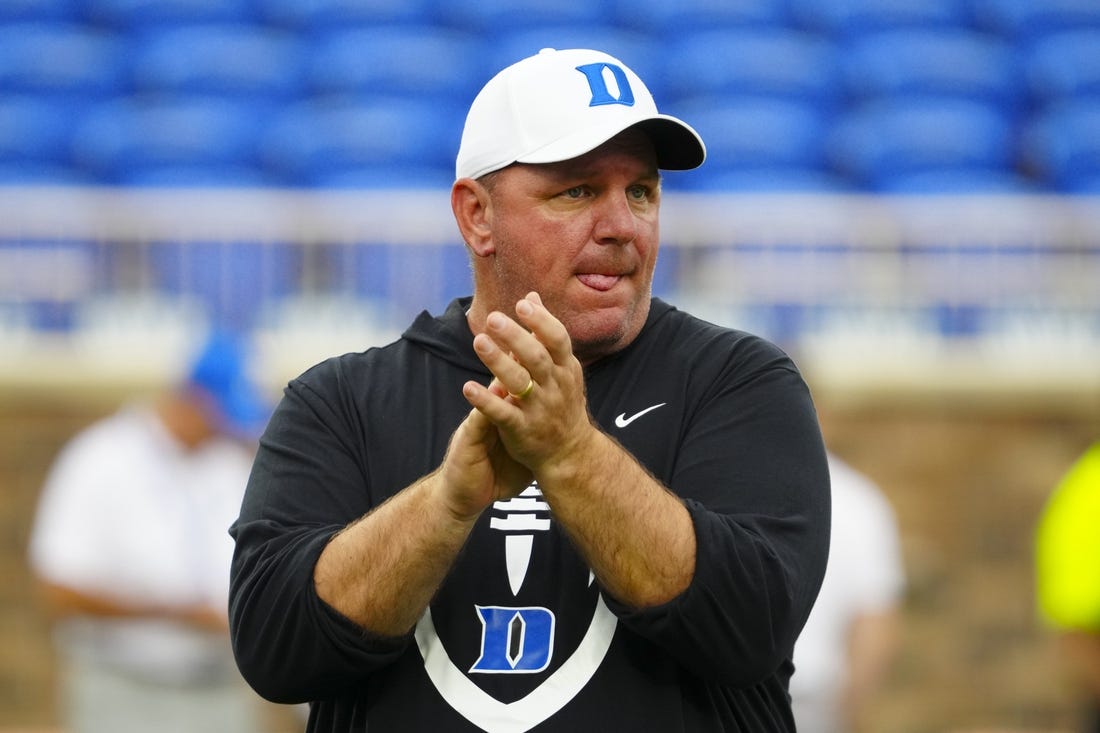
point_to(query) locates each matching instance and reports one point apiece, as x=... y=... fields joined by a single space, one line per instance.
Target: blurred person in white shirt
x=131 y=551
x=852 y=635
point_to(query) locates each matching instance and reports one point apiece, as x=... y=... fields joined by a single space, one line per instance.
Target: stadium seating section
x=874 y=95
x=791 y=96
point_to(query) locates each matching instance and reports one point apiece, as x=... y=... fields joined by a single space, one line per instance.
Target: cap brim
x=679 y=147
x=677 y=144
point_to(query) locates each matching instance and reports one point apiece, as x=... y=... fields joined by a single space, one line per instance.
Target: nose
x=616 y=222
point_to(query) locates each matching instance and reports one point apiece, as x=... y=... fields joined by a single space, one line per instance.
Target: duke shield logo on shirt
x=526 y=630
x=598 y=82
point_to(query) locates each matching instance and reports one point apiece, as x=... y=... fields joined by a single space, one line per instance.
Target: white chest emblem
x=521 y=524
x=623 y=420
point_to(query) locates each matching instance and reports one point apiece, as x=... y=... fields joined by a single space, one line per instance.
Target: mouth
x=602 y=283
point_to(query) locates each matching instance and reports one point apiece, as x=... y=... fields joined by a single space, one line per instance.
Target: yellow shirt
x=1067 y=548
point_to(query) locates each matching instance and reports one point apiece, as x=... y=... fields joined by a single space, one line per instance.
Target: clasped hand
x=530 y=418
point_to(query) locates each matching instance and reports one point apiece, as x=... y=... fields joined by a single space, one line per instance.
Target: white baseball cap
x=557 y=105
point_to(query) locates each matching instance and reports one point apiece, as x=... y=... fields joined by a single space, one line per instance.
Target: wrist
x=439 y=498
x=575 y=458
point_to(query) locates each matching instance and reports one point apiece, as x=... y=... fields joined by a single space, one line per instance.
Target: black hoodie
x=519 y=637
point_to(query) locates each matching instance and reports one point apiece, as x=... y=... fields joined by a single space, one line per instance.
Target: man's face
x=583 y=233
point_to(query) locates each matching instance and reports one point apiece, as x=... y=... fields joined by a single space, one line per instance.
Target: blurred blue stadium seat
x=669 y=20
x=375 y=176
x=765 y=179
x=135 y=14
x=39 y=10
x=195 y=175
x=770 y=61
x=634 y=49
x=240 y=60
x=1020 y=19
x=751 y=133
x=41 y=174
x=1062 y=145
x=382 y=59
x=1086 y=185
x=924 y=61
x=330 y=140
x=1064 y=64
x=64 y=59
x=887 y=138
x=34 y=132
x=959 y=181
x=121 y=140
x=855 y=17
x=322 y=16
x=491 y=16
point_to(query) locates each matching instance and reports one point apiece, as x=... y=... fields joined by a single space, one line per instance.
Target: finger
x=525 y=392
x=522 y=347
x=498 y=389
x=476 y=429
x=491 y=408
x=546 y=328
x=511 y=375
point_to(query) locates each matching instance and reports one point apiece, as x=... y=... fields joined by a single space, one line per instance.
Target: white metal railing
x=980 y=292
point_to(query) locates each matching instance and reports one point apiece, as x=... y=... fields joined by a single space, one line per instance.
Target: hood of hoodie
x=447 y=336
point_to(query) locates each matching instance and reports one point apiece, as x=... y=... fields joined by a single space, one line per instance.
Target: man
x=130 y=551
x=852 y=636
x=628 y=528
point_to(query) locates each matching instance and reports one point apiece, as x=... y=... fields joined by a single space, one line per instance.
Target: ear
x=473 y=210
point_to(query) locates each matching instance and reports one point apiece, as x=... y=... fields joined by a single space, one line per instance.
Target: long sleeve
x=307 y=482
x=752 y=470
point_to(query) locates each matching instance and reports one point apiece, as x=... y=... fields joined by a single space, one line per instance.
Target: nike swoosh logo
x=622 y=420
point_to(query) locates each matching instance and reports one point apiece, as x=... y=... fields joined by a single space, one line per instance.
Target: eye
x=638 y=192
x=575 y=192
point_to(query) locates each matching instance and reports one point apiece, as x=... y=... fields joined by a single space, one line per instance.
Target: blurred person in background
x=1067 y=565
x=852 y=635
x=131 y=549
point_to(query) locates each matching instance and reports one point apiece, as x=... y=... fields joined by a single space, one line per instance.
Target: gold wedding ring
x=525 y=391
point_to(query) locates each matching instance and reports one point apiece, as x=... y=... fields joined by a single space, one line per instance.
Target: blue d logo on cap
x=598 y=84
